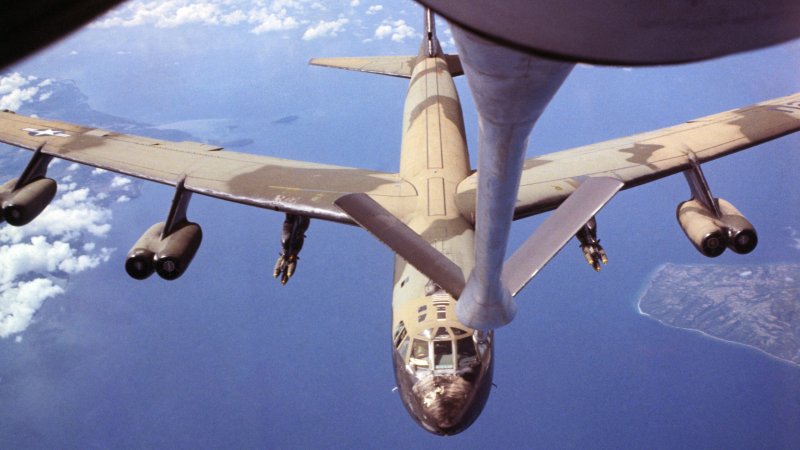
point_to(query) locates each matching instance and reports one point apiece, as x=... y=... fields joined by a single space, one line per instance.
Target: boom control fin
x=567 y=220
x=403 y=241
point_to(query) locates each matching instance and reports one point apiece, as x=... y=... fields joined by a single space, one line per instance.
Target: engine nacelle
x=177 y=251
x=20 y=207
x=170 y=257
x=140 y=262
x=704 y=230
x=742 y=237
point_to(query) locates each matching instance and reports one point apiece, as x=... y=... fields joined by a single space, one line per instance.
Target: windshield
x=440 y=348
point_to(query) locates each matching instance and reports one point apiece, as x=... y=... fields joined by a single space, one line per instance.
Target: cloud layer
x=310 y=19
x=35 y=260
x=16 y=90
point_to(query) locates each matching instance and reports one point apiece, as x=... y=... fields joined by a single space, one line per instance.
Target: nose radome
x=445 y=401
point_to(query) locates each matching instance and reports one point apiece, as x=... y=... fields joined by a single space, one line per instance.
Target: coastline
x=646 y=288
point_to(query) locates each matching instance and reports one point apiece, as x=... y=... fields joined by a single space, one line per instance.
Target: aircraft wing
x=548 y=180
x=266 y=182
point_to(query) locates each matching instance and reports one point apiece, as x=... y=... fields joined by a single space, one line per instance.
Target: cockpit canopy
x=441 y=349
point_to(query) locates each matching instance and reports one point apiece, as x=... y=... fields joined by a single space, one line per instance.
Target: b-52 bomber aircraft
x=426 y=212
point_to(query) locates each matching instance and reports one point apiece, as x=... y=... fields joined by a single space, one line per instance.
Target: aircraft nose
x=446 y=402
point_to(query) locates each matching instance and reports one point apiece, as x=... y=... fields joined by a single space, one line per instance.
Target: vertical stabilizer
x=430 y=43
x=398 y=66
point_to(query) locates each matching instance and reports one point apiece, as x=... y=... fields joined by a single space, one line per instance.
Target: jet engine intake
x=742 y=237
x=140 y=262
x=711 y=234
x=169 y=256
x=22 y=205
x=704 y=230
x=178 y=250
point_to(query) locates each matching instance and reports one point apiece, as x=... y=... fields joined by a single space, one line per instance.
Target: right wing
x=549 y=179
x=305 y=188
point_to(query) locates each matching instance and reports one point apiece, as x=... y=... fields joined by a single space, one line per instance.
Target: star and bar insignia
x=45 y=132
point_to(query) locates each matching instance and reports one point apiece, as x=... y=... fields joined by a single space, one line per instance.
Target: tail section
x=430 y=43
x=397 y=66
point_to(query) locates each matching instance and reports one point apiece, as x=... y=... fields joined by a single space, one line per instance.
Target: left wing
x=296 y=187
x=548 y=180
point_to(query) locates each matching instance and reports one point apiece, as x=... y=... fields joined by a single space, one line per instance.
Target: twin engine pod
x=169 y=256
x=20 y=206
x=711 y=234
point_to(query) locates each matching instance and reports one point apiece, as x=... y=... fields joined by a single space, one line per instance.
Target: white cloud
x=12 y=82
x=31 y=257
x=383 y=31
x=448 y=40
x=355 y=3
x=34 y=258
x=234 y=18
x=266 y=20
x=397 y=30
x=278 y=5
x=16 y=90
x=794 y=236
x=98 y=171
x=20 y=299
x=19 y=302
x=204 y=13
x=120 y=181
x=123 y=199
x=374 y=9
x=167 y=14
x=72 y=214
x=325 y=29
x=264 y=16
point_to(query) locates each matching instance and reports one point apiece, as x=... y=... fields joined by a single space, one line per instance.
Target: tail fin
x=397 y=66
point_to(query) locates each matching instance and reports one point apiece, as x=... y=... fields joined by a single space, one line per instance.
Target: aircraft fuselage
x=443 y=368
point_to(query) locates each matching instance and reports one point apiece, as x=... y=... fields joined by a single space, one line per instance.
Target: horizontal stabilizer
x=557 y=230
x=403 y=241
x=395 y=66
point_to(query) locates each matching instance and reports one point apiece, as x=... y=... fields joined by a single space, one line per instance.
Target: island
x=756 y=305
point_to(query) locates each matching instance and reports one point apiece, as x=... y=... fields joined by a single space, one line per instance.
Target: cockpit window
x=458 y=332
x=399 y=333
x=442 y=333
x=403 y=347
x=443 y=354
x=467 y=355
x=419 y=353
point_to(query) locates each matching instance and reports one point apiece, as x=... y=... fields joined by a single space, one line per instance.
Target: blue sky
x=226 y=357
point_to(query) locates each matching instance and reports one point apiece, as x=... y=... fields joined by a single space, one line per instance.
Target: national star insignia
x=48 y=132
